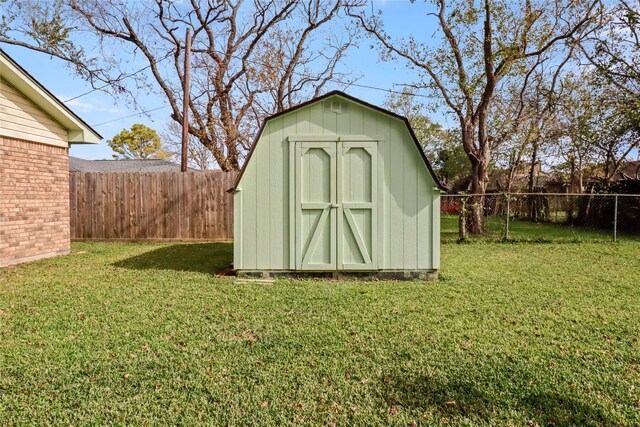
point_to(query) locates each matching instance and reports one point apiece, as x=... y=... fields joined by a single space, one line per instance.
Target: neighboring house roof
x=631 y=170
x=350 y=98
x=148 y=165
x=499 y=178
x=79 y=132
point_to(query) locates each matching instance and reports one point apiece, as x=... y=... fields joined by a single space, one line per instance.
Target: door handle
x=333 y=205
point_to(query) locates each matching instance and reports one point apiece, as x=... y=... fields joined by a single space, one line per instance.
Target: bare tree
x=480 y=46
x=47 y=27
x=228 y=76
x=199 y=157
x=296 y=72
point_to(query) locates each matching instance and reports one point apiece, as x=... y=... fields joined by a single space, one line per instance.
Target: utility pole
x=185 y=102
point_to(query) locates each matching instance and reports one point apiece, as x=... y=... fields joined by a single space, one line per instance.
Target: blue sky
x=401 y=19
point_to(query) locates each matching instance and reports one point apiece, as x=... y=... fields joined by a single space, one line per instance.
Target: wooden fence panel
x=151 y=206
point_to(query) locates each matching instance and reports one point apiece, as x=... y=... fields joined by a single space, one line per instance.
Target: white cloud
x=88 y=106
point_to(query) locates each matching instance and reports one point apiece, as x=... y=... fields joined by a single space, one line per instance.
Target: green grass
x=141 y=334
x=528 y=231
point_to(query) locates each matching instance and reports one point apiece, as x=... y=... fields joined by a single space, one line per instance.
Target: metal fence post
x=506 y=230
x=615 y=218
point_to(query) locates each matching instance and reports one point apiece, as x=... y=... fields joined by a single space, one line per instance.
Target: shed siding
x=406 y=190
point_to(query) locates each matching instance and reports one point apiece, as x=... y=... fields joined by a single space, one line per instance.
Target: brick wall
x=34 y=201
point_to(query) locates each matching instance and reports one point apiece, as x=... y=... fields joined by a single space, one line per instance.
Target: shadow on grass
x=210 y=258
x=456 y=398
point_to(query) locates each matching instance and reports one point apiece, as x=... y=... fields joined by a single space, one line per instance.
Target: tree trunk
x=479 y=179
x=533 y=213
x=570 y=202
x=479 y=160
x=462 y=220
x=532 y=168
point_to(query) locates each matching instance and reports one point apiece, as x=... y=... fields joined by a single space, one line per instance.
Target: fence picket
x=153 y=206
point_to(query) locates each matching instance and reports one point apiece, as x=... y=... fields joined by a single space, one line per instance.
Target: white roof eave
x=78 y=131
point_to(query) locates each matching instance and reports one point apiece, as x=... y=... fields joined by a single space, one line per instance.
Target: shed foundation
x=341 y=275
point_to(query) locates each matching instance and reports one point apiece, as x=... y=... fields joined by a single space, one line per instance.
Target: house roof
x=631 y=170
x=149 y=165
x=350 y=98
x=79 y=132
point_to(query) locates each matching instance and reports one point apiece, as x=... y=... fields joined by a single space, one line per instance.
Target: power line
x=388 y=90
x=87 y=93
x=131 y=115
x=125 y=77
x=364 y=86
x=334 y=80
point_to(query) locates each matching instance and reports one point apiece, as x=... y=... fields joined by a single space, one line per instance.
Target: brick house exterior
x=36 y=130
x=34 y=206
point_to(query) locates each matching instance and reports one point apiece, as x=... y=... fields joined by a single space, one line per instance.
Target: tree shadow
x=209 y=258
x=457 y=398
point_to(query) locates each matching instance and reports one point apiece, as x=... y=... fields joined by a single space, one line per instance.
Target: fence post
x=506 y=230
x=615 y=218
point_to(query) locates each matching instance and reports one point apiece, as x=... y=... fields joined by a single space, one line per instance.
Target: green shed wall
x=411 y=203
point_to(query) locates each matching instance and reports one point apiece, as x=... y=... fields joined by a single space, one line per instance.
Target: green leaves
x=140 y=142
x=43 y=22
x=442 y=146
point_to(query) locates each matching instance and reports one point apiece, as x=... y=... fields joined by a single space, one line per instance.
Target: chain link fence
x=541 y=217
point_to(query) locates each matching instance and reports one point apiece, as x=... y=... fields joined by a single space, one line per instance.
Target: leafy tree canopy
x=139 y=142
x=442 y=146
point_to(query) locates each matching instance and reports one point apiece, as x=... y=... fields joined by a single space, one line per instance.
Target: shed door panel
x=357 y=197
x=315 y=206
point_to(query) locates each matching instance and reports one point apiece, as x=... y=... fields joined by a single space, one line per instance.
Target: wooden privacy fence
x=151 y=206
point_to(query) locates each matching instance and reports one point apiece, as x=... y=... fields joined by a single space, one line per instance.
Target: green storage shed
x=337 y=185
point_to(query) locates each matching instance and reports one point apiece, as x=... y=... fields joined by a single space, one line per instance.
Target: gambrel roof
x=350 y=98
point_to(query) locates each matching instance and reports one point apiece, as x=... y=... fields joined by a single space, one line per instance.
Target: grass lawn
x=512 y=334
